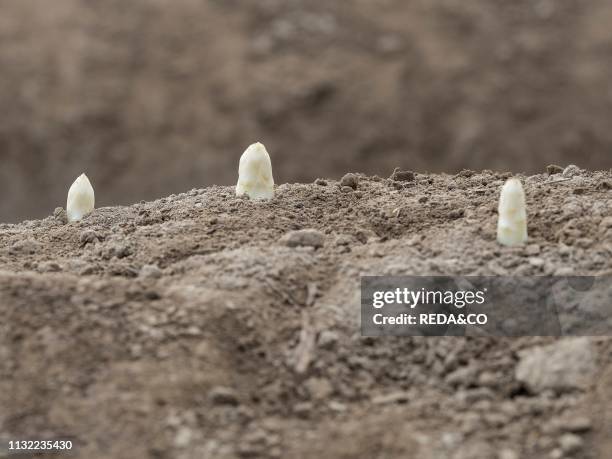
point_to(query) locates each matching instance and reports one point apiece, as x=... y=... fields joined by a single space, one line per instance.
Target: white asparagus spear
x=512 y=223
x=255 y=173
x=80 y=200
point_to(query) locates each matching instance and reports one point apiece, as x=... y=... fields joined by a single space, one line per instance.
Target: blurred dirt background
x=159 y=96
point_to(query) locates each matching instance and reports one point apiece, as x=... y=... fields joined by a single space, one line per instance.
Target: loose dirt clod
x=571 y=171
x=327 y=339
x=60 y=215
x=223 y=396
x=570 y=443
x=150 y=271
x=604 y=185
x=566 y=365
x=25 y=247
x=89 y=237
x=350 y=180
x=553 y=169
x=304 y=238
x=402 y=176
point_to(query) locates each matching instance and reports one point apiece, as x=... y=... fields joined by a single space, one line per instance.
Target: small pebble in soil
x=60 y=215
x=571 y=171
x=89 y=237
x=318 y=388
x=304 y=238
x=327 y=339
x=303 y=409
x=223 y=396
x=570 y=443
x=49 y=267
x=604 y=185
x=150 y=272
x=579 y=424
x=553 y=169
x=508 y=454
x=350 y=180
x=402 y=176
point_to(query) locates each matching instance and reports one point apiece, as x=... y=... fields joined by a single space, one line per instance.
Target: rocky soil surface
x=206 y=325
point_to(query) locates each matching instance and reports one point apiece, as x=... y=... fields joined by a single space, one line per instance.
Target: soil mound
x=206 y=325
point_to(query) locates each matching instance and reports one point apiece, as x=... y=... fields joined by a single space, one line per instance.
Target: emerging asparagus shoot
x=512 y=223
x=80 y=200
x=255 y=173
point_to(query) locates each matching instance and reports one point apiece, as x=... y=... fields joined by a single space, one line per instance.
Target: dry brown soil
x=187 y=328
